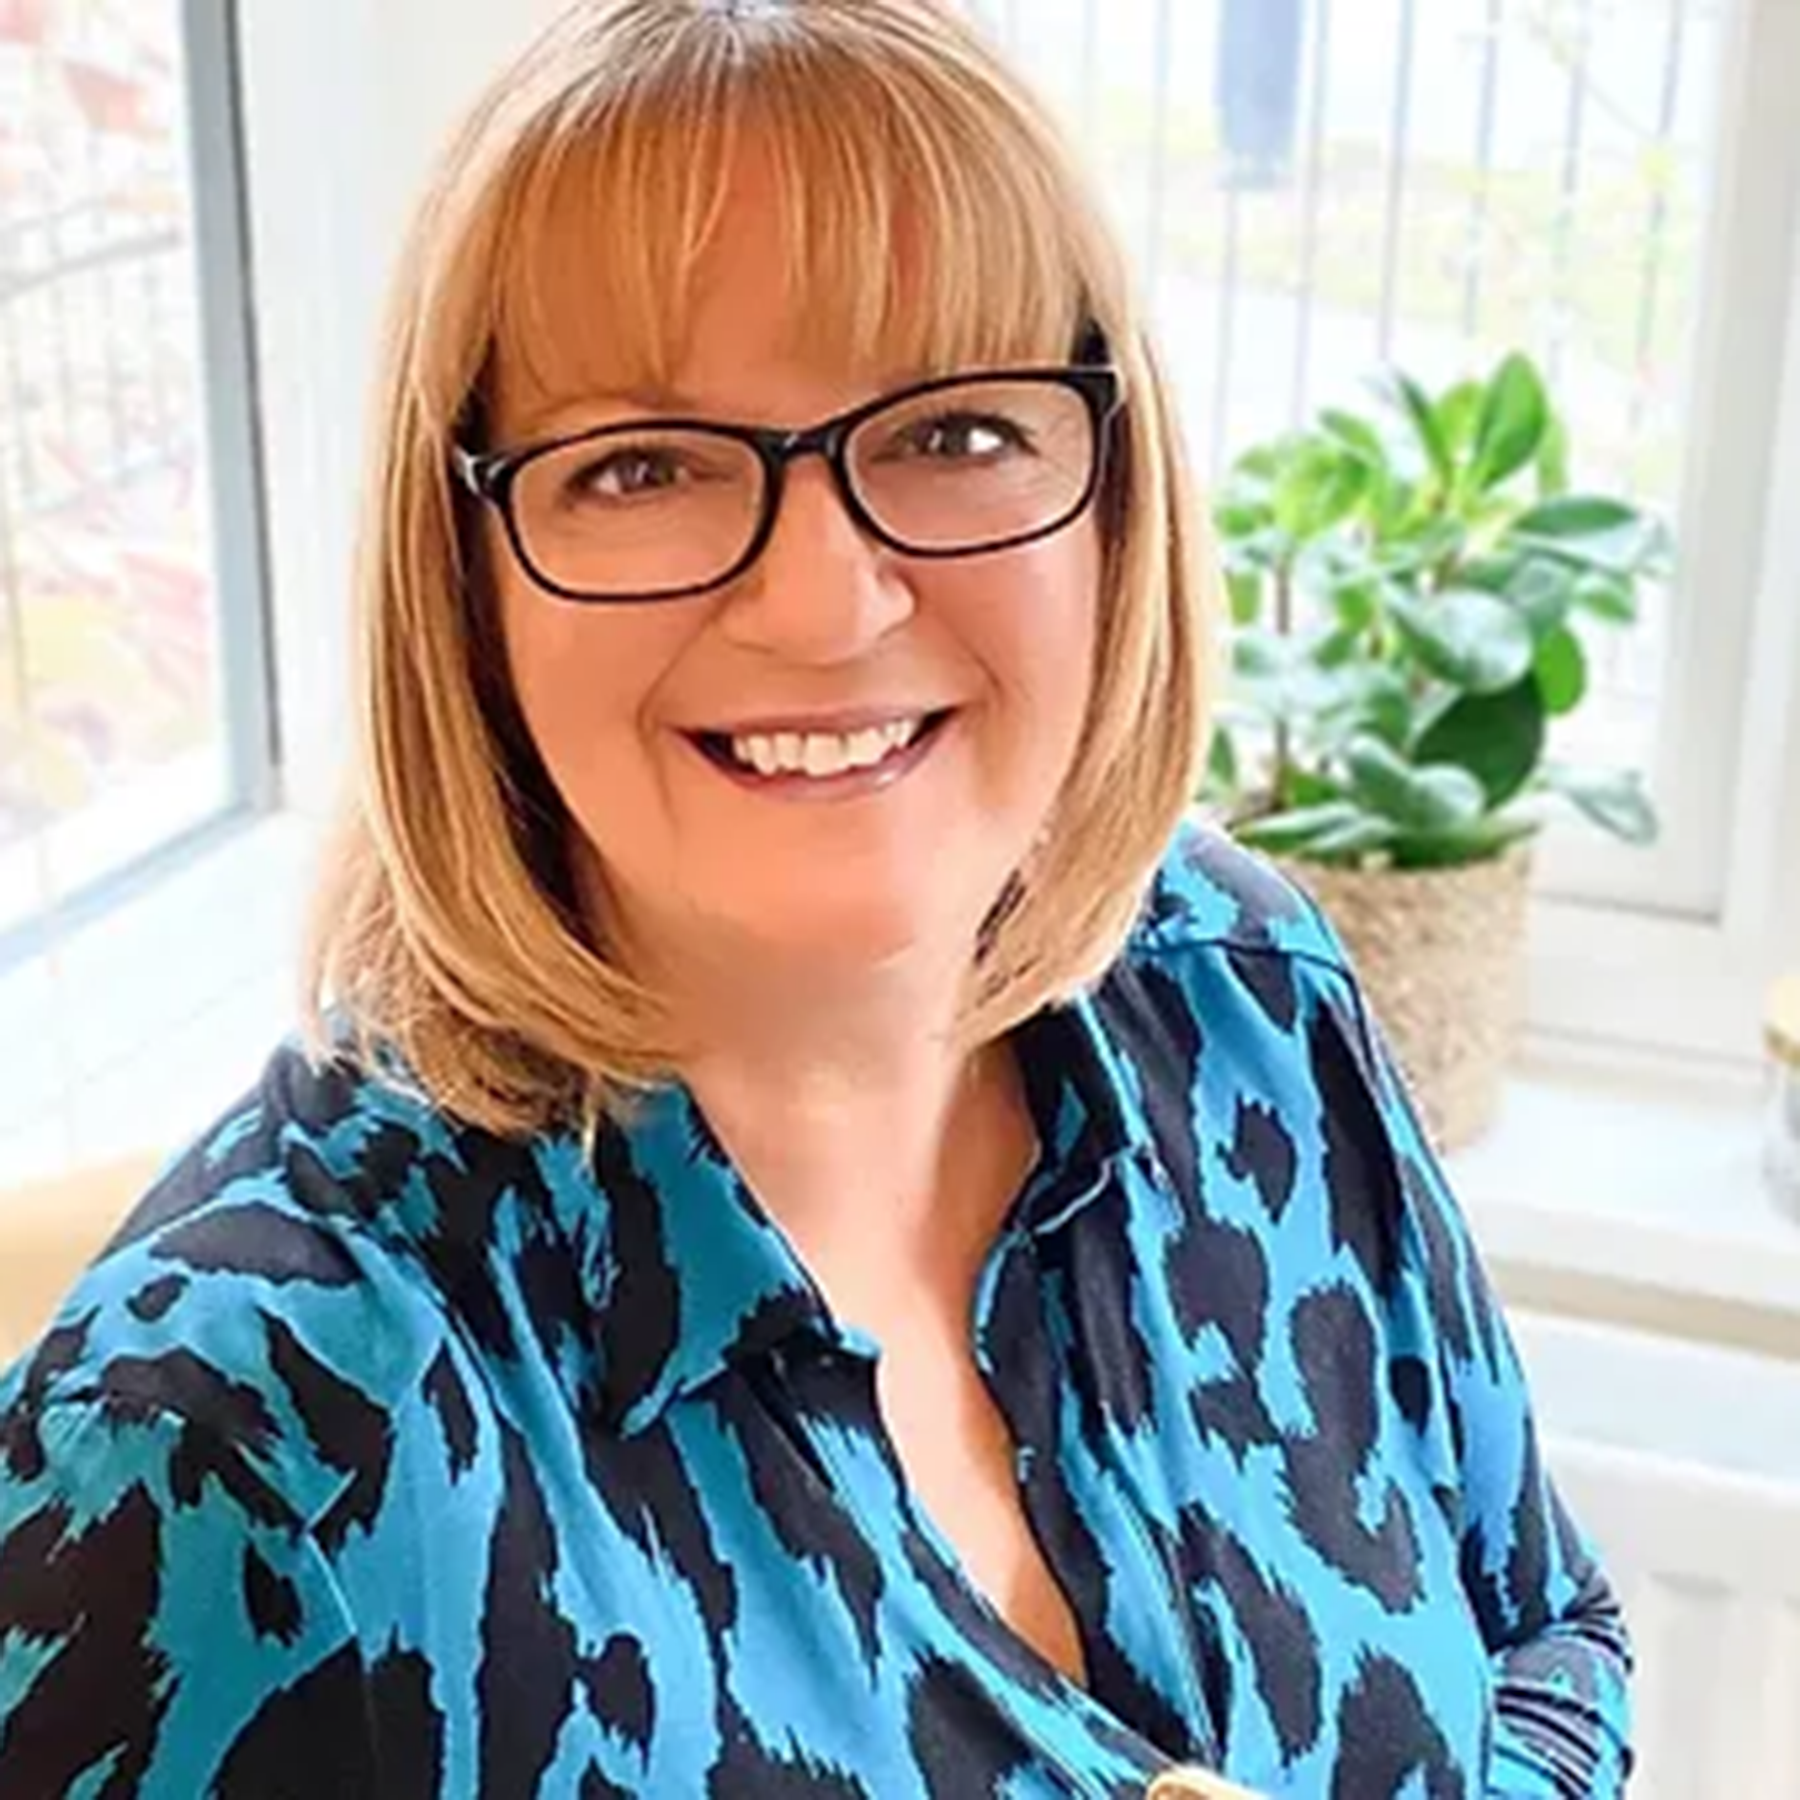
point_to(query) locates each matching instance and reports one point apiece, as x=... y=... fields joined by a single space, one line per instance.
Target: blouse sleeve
x=1561 y=1657
x=167 y=1626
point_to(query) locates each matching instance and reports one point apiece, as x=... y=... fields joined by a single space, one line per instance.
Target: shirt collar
x=1085 y=1099
x=691 y=1275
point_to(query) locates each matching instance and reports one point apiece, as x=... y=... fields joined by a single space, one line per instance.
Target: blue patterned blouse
x=383 y=1457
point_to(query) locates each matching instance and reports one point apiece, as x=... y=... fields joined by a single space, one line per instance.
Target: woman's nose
x=822 y=591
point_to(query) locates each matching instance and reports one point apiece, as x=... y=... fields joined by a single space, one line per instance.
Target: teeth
x=821 y=754
x=826 y=755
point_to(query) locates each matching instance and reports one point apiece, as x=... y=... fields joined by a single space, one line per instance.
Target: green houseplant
x=1414 y=589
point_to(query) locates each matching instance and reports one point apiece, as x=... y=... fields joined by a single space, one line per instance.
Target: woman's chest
x=765 y=1582
x=963 y=1467
x=1264 y=1469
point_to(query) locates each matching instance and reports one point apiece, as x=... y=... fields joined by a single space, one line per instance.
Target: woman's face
x=827 y=633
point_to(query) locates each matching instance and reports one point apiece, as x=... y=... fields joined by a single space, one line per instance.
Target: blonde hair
x=445 y=932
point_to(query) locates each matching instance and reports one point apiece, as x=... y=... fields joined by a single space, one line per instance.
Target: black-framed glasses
x=659 y=509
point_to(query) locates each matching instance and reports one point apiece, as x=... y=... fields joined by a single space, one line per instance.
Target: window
x=133 y=685
x=1317 y=188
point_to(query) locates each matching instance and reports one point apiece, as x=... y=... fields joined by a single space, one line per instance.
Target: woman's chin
x=840 y=934
x=841 y=938
x=806 y=923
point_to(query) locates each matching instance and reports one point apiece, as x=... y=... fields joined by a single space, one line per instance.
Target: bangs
x=911 y=237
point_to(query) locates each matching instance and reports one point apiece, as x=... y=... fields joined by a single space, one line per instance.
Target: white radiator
x=1701 y=1536
x=1708 y=1567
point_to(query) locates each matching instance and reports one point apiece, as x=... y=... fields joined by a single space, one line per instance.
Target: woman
x=828 y=1244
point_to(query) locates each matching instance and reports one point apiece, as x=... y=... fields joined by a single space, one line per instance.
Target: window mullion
x=223 y=277
x=1726 y=495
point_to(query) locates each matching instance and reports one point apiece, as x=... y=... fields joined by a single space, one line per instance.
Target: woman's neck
x=841 y=1090
x=891 y=1182
x=880 y=1146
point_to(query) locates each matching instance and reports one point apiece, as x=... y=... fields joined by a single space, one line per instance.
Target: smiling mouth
x=819 y=755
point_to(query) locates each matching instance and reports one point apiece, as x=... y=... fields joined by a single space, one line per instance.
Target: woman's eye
x=624 y=474
x=962 y=437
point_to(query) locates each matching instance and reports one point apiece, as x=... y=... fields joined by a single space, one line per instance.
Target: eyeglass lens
x=641 y=510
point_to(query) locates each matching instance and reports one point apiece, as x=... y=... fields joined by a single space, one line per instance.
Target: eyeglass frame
x=491 y=476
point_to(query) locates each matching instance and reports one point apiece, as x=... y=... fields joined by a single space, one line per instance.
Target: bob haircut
x=445 y=941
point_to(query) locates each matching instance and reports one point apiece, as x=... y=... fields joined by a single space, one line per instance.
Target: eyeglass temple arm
x=1091 y=346
x=478 y=474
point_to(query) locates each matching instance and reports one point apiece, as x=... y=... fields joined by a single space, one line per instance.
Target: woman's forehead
x=603 y=292
x=743 y=325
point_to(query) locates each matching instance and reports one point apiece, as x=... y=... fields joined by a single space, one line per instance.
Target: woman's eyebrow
x=562 y=414
x=558 y=414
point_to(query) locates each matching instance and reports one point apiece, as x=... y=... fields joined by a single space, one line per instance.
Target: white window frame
x=1676 y=964
x=1693 y=985
x=344 y=105
x=155 y=810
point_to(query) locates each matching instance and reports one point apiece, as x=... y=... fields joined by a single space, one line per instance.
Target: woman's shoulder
x=1231 y=956
x=1209 y=892
x=263 y=1281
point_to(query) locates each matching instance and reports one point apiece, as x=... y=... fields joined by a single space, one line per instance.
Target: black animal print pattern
x=383 y=1457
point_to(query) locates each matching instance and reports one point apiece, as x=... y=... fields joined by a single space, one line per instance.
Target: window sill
x=1636 y=1199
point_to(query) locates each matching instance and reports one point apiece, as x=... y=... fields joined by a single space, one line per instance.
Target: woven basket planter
x=1440 y=954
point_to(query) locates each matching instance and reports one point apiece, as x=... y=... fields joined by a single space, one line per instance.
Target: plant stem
x=1284 y=624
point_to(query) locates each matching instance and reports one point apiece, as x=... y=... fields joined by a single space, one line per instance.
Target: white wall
x=344 y=103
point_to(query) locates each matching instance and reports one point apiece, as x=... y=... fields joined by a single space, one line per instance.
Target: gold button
x=1187 y=1782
